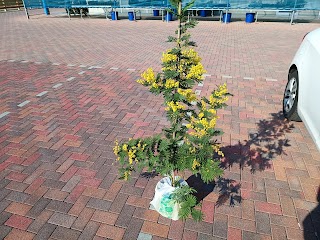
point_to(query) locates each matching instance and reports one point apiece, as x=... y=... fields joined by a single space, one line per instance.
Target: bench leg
x=292 y=16
x=68 y=12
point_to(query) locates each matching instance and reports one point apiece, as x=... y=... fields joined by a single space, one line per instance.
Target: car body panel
x=307 y=62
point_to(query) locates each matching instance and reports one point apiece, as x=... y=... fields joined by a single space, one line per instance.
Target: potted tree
x=188 y=142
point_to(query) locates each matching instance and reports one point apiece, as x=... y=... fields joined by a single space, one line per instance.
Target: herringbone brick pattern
x=65 y=107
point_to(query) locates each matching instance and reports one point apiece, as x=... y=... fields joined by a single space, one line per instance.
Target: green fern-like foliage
x=188 y=142
x=184 y=196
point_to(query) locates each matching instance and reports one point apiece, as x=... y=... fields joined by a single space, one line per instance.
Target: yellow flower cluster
x=174 y=106
x=188 y=94
x=116 y=150
x=218 y=96
x=216 y=148
x=148 y=77
x=192 y=55
x=196 y=72
x=189 y=58
x=206 y=123
x=222 y=90
x=126 y=175
x=195 y=164
x=171 y=83
x=125 y=147
x=131 y=155
x=192 y=149
x=130 y=151
x=168 y=57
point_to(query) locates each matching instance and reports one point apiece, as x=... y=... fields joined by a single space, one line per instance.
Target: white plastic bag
x=163 y=202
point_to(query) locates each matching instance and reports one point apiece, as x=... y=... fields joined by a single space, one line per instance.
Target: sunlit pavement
x=68 y=91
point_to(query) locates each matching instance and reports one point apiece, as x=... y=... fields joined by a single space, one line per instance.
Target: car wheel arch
x=293 y=68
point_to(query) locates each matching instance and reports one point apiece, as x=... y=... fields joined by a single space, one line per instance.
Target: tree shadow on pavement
x=227 y=189
x=262 y=146
x=311 y=224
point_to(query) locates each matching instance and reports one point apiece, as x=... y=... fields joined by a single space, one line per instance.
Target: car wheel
x=290 y=97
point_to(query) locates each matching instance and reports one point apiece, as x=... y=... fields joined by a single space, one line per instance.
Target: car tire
x=290 y=97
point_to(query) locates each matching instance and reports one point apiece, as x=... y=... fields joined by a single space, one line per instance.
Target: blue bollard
x=168 y=16
x=114 y=15
x=250 y=17
x=226 y=18
x=203 y=13
x=131 y=16
x=155 y=12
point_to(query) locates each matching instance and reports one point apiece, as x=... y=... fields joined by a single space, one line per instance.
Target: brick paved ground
x=68 y=91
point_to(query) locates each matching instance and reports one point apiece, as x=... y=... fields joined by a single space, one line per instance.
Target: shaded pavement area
x=68 y=91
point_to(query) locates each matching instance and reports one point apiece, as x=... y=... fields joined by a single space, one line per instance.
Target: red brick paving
x=57 y=178
x=18 y=222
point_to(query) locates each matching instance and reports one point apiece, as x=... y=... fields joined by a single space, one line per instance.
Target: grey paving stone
x=4 y=216
x=263 y=223
x=277 y=184
x=59 y=206
x=65 y=233
x=71 y=184
x=144 y=236
x=131 y=190
x=63 y=220
x=133 y=230
x=202 y=236
x=99 y=204
x=39 y=206
x=17 y=196
x=118 y=203
x=45 y=232
x=107 y=181
x=4 y=231
x=4 y=192
x=89 y=231
x=50 y=183
x=203 y=227
x=251 y=236
x=53 y=175
x=259 y=185
x=220 y=225
x=125 y=216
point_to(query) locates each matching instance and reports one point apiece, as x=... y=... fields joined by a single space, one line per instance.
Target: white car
x=301 y=100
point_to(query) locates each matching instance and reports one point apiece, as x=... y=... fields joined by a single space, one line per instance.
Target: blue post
x=155 y=12
x=169 y=16
x=131 y=16
x=250 y=17
x=226 y=17
x=45 y=8
x=114 y=15
x=203 y=13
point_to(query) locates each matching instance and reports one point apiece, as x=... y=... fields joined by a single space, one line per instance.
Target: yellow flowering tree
x=188 y=143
